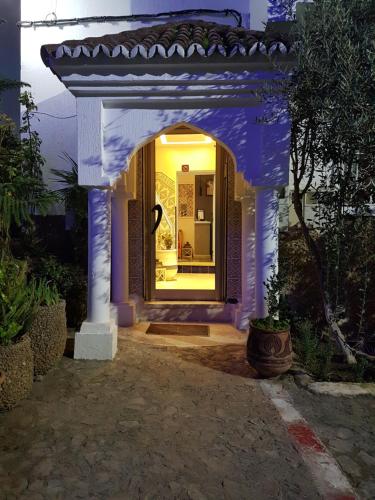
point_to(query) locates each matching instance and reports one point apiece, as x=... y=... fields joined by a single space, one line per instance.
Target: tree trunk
x=328 y=313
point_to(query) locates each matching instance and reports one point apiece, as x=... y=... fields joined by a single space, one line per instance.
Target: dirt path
x=153 y=424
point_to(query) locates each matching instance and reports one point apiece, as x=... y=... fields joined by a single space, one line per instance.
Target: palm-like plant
x=6 y=84
x=73 y=195
x=75 y=199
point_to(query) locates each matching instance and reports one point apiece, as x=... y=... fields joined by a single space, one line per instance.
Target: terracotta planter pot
x=269 y=352
x=17 y=367
x=48 y=334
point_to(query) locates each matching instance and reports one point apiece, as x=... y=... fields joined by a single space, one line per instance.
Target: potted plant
x=269 y=346
x=18 y=301
x=167 y=240
x=48 y=331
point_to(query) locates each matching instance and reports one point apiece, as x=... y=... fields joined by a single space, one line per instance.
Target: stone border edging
x=342 y=389
x=326 y=473
x=337 y=389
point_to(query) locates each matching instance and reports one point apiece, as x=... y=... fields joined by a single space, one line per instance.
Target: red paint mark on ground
x=306 y=438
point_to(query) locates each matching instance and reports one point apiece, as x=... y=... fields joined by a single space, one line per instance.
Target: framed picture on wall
x=200 y=214
x=185 y=200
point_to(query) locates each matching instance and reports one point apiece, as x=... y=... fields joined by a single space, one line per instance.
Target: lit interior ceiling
x=182 y=139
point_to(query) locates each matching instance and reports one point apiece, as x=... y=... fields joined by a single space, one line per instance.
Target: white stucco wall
x=52 y=98
x=261 y=151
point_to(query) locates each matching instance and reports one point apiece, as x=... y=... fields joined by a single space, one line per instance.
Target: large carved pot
x=269 y=352
x=16 y=372
x=48 y=334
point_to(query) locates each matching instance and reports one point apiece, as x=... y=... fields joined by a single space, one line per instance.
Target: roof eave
x=85 y=66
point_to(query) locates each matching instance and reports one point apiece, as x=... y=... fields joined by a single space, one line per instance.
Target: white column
x=97 y=338
x=266 y=242
x=123 y=307
x=248 y=277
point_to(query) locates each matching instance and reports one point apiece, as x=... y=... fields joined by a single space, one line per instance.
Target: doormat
x=178 y=329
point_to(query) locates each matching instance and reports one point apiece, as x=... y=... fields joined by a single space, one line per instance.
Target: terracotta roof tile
x=183 y=39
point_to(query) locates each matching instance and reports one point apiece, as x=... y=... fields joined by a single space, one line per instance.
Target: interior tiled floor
x=189 y=281
x=196 y=263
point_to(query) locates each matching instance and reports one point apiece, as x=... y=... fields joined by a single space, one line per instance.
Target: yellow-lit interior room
x=185 y=165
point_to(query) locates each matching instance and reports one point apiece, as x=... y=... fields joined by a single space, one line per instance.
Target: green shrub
x=47 y=293
x=22 y=189
x=271 y=324
x=314 y=354
x=302 y=287
x=71 y=284
x=278 y=314
x=76 y=298
x=18 y=299
x=359 y=369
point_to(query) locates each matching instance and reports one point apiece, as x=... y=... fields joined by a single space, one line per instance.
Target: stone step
x=186 y=311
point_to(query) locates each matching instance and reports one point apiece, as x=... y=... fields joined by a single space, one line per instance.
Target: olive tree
x=331 y=98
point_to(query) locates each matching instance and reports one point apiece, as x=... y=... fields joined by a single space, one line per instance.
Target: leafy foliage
x=331 y=100
x=47 y=293
x=359 y=370
x=277 y=318
x=70 y=283
x=22 y=190
x=316 y=356
x=75 y=198
x=6 y=84
x=19 y=299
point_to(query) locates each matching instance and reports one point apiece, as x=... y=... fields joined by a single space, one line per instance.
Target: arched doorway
x=189 y=175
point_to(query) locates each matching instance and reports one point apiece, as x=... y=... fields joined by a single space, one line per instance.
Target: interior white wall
x=169 y=159
x=51 y=96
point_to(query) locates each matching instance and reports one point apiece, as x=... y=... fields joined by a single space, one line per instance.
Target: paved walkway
x=160 y=422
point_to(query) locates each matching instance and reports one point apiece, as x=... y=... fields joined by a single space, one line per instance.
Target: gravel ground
x=346 y=425
x=157 y=423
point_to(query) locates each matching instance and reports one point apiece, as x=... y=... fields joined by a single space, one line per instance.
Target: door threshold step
x=184 y=302
x=187 y=311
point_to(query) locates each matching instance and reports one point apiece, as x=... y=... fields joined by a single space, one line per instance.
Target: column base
x=241 y=319
x=123 y=313
x=96 y=341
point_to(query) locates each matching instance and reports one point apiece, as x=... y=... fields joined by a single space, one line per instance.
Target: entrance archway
x=218 y=248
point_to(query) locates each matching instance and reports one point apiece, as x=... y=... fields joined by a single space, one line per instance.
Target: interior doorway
x=185 y=217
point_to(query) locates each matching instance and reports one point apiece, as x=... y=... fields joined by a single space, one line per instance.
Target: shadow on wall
x=56 y=123
x=281 y=10
x=261 y=147
x=99 y=277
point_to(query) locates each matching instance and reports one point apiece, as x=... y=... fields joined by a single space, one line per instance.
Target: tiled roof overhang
x=183 y=39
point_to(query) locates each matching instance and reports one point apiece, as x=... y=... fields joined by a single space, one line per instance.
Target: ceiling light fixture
x=206 y=140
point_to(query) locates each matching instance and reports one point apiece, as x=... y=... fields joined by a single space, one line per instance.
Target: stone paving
x=346 y=425
x=160 y=422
